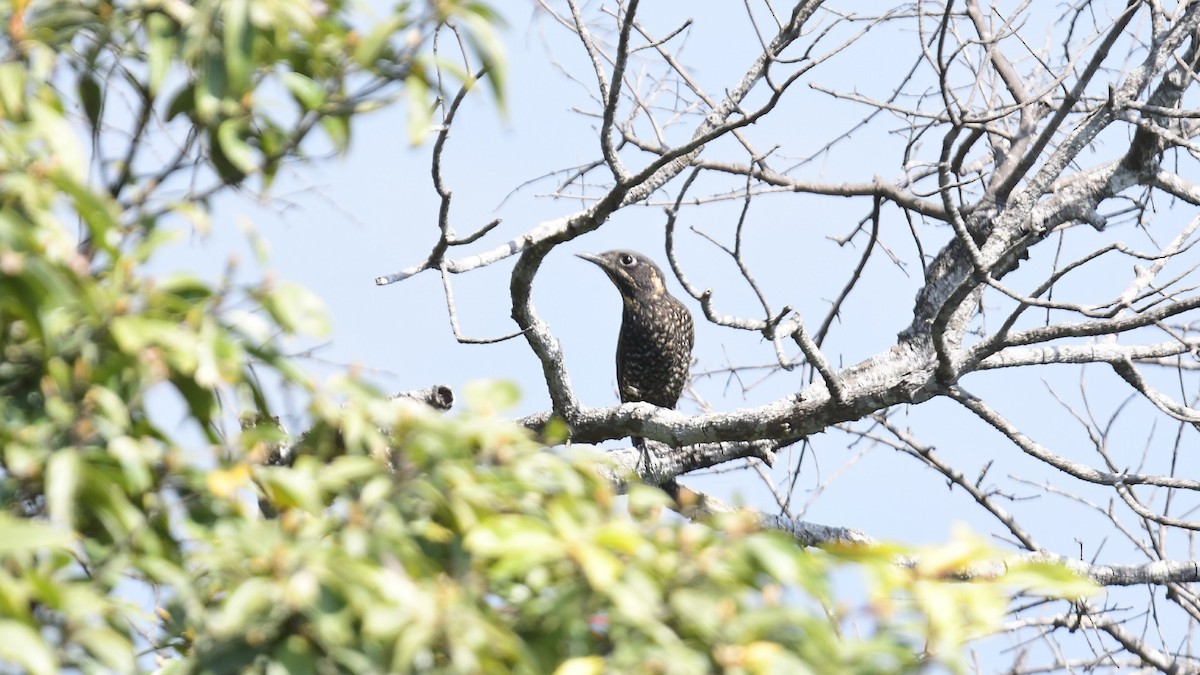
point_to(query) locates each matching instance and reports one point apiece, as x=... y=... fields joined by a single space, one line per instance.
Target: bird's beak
x=594 y=259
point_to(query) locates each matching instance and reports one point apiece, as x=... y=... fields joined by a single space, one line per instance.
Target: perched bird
x=654 y=348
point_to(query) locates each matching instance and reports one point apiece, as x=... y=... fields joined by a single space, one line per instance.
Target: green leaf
x=275 y=144
x=490 y=396
x=183 y=103
x=135 y=333
x=581 y=665
x=523 y=537
x=238 y=40
x=12 y=90
x=239 y=153
x=620 y=535
x=161 y=41
x=308 y=93
x=295 y=656
x=337 y=128
x=370 y=48
x=109 y=647
x=91 y=98
x=420 y=108
x=184 y=286
x=701 y=608
x=555 y=432
x=19 y=535
x=481 y=34
x=201 y=400
x=46 y=114
x=62 y=485
x=1052 y=579
x=99 y=211
x=290 y=487
x=226 y=169
x=211 y=87
x=243 y=608
x=168 y=573
x=22 y=645
x=776 y=554
x=343 y=471
x=196 y=214
x=297 y=309
x=254 y=328
x=601 y=567
x=955 y=555
x=134 y=467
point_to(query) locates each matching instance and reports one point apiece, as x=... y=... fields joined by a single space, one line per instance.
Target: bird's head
x=634 y=274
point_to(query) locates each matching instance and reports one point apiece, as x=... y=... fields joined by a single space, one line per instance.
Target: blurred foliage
x=405 y=540
x=234 y=86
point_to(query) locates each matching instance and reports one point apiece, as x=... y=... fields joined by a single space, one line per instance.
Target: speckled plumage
x=654 y=349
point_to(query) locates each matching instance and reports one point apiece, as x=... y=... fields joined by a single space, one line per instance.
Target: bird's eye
x=626 y=259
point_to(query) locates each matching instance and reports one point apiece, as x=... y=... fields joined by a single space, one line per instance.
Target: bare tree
x=1032 y=167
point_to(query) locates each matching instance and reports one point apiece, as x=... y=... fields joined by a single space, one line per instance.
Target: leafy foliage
x=221 y=73
x=405 y=540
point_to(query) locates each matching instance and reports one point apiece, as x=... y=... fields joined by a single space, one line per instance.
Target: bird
x=654 y=347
